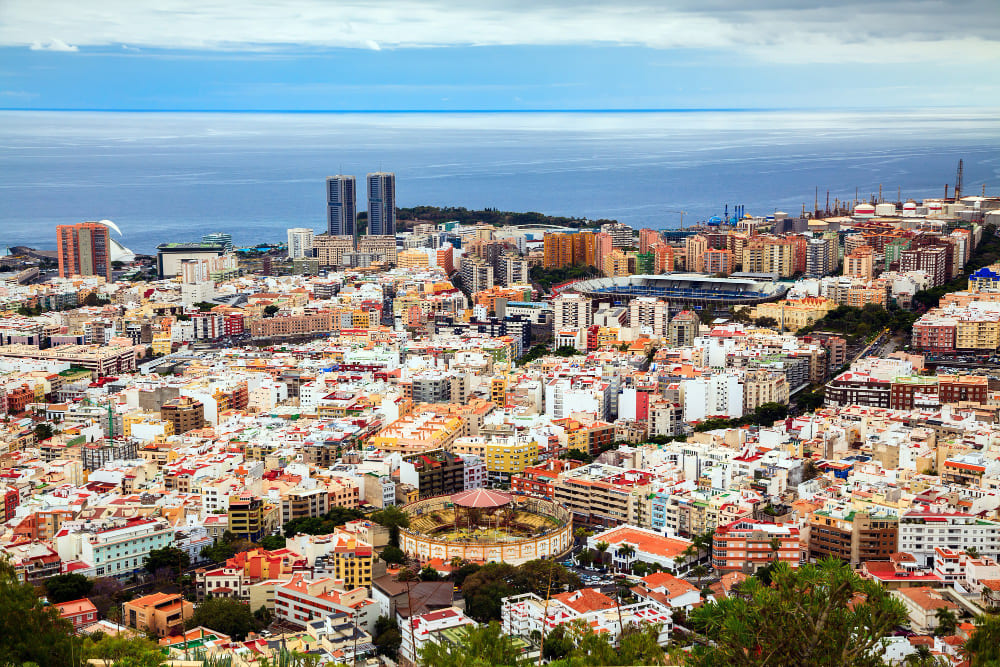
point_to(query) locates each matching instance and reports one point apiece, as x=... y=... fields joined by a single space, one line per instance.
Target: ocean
x=175 y=176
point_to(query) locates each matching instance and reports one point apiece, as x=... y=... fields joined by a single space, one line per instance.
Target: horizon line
x=486 y=111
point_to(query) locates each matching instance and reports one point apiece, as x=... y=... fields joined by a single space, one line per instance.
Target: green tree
x=29 y=630
x=226 y=615
x=699 y=571
x=66 y=587
x=625 y=552
x=983 y=647
x=271 y=310
x=819 y=614
x=273 y=542
x=461 y=574
x=485 y=646
x=393 y=555
x=577 y=455
x=121 y=651
x=602 y=549
x=766 y=322
x=768 y=413
x=947 y=621
x=43 y=431
x=428 y=573
x=485 y=589
x=392 y=518
x=557 y=644
x=171 y=558
x=387 y=637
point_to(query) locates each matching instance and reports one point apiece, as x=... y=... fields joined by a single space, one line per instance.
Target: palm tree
x=691 y=552
x=625 y=552
x=699 y=571
x=602 y=548
x=946 y=620
x=457 y=562
x=775 y=546
x=581 y=534
x=973 y=552
x=585 y=557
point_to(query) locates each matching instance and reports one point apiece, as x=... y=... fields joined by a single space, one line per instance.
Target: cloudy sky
x=497 y=54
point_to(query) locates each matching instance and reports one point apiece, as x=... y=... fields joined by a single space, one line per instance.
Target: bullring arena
x=484 y=526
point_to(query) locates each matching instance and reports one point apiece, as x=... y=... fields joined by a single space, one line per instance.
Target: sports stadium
x=684 y=290
x=483 y=526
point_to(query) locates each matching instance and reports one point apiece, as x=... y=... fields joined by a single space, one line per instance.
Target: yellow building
x=977 y=334
x=351 y=560
x=161 y=343
x=793 y=314
x=157 y=425
x=412 y=259
x=694 y=251
x=504 y=459
x=498 y=391
x=414 y=434
x=361 y=319
x=615 y=264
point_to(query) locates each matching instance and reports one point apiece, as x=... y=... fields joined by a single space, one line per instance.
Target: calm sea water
x=174 y=176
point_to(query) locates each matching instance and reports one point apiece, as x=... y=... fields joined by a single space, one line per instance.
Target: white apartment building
x=428 y=628
x=578 y=394
x=114 y=550
x=300 y=242
x=922 y=531
x=474 y=471
x=651 y=313
x=720 y=395
x=572 y=311
x=520 y=615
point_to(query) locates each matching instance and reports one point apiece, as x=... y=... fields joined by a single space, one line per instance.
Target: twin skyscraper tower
x=342 y=205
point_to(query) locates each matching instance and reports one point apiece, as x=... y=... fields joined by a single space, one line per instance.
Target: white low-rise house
x=628 y=544
x=668 y=590
x=428 y=628
x=921 y=604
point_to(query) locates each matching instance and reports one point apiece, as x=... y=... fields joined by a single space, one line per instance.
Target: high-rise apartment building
x=860 y=263
x=572 y=311
x=694 y=249
x=84 y=250
x=382 y=204
x=719 y=262
x=341 y=205
x=300 y=242
x=818 y=258
x=932 y=260
x=219 y=237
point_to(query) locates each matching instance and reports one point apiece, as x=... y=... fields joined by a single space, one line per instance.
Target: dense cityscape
x=450 y=437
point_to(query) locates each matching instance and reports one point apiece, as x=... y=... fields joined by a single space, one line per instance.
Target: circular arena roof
x=481 y=498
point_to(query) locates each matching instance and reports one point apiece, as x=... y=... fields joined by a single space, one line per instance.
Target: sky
x=384 y=55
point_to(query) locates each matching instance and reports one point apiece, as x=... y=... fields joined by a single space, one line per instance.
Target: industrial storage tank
x=885 y=209
x=910 y=209
x=864 y=211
